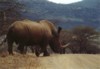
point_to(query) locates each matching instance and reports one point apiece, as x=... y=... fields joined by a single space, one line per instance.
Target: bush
x=81 y=39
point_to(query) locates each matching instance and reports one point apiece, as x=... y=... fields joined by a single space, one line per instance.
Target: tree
x=83 y=37
x=66 y=37
x=9 y=12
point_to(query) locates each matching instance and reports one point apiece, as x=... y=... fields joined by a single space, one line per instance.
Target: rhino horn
x=66 y=45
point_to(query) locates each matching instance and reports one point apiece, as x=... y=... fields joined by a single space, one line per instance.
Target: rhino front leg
x=38 y=50
x=44 y=50
x=46 y=53
x=22 y=49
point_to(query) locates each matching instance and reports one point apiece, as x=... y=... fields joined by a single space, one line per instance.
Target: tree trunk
x=3 y=17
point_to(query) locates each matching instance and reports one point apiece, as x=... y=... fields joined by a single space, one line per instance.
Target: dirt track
x=55 y=61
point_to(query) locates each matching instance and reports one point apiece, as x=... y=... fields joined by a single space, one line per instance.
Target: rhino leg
x=38 y=51
x=10 y=47
x=46 y=53
x=22 y=49
x=44 y=50
x=32 y=49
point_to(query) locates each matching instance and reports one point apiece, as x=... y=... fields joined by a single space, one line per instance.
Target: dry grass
x=19 y=62
x=55 y=61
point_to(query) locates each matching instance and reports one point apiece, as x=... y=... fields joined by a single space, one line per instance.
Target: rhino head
x=55 y=43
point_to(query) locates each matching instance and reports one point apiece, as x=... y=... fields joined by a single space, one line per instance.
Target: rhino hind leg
x=10 y=47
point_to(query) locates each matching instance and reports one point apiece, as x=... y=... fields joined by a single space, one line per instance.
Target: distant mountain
x=86 y=12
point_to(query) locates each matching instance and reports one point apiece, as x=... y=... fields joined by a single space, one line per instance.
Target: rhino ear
x=59 y=29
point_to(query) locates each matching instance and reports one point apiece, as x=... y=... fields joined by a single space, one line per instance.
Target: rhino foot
x=46 y=54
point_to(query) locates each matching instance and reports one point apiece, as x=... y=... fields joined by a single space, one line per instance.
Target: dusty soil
x=55 y=61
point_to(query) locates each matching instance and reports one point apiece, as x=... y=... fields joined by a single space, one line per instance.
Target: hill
x=68 y=16
x=85 y=12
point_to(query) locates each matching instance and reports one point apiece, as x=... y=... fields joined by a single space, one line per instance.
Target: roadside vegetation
x=82 y=39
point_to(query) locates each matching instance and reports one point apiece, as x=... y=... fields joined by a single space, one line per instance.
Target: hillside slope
x=68 y=61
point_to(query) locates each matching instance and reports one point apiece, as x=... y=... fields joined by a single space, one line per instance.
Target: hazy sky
x=64 y=1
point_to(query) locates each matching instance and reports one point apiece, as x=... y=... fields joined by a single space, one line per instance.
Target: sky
x=64 y=1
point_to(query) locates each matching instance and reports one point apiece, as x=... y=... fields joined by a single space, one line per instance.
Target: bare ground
x=55 y=61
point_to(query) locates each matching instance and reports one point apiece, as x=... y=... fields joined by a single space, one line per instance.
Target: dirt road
x=55 y=61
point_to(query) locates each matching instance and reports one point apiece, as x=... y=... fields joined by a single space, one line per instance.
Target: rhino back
x=29 y=32
x=50 y=25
